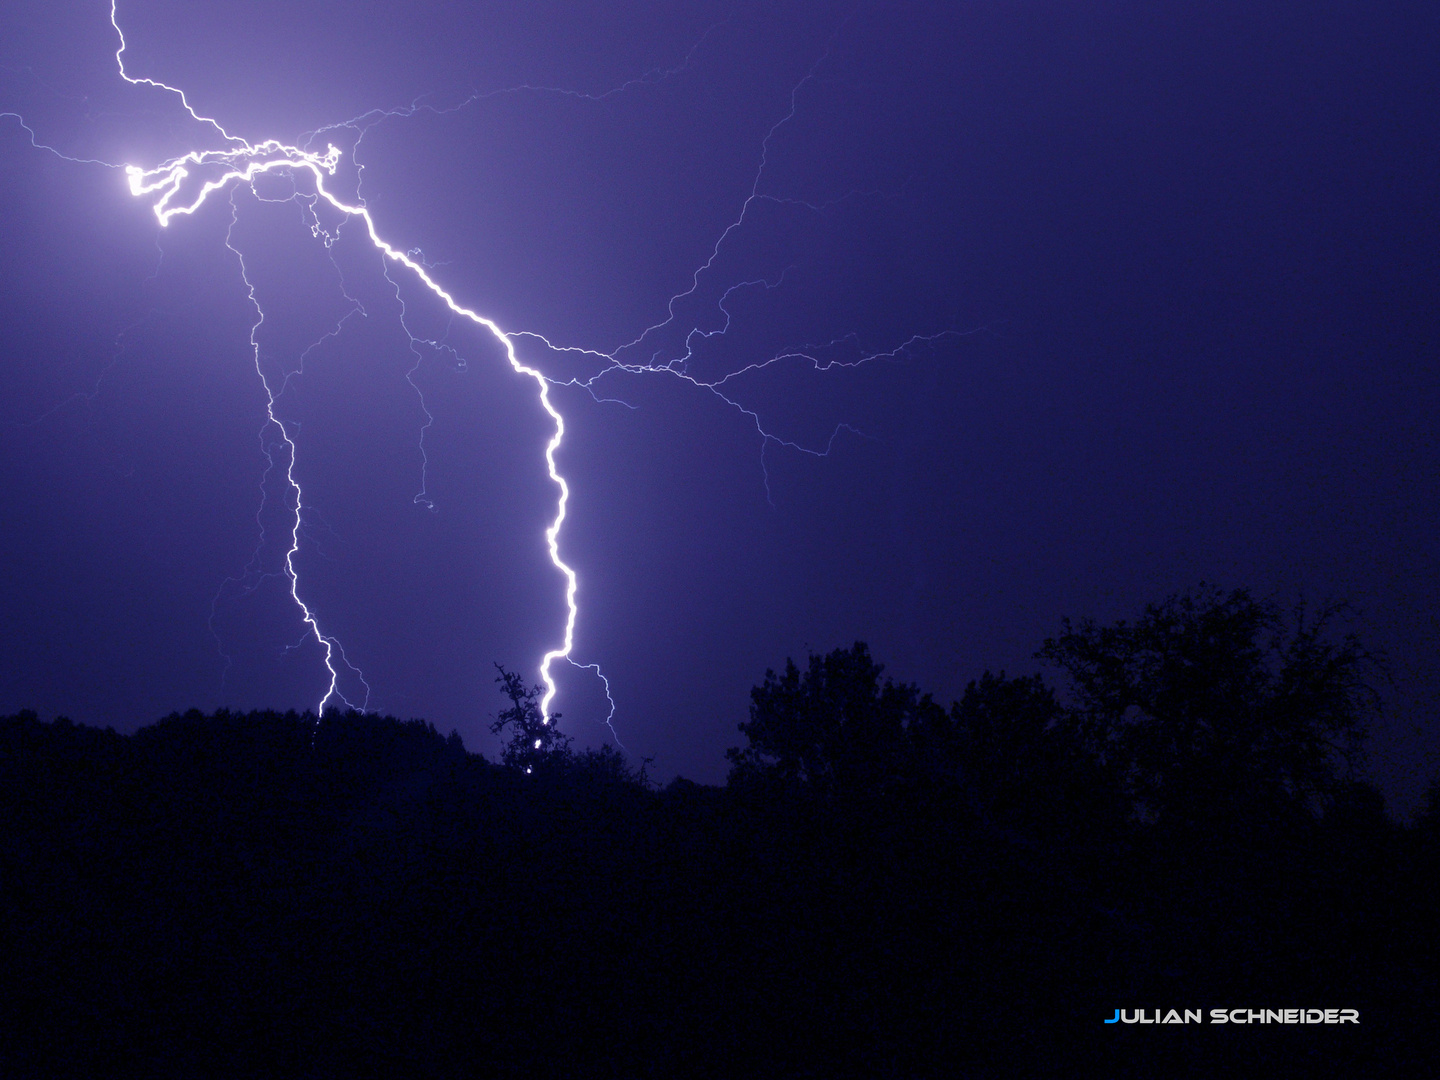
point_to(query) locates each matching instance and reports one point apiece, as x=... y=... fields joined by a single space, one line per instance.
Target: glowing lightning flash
x=327 y=642
x=241 y=164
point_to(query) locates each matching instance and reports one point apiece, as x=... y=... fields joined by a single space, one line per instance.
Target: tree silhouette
x=1006 y=731
x=1022 y=763
x=1218 y=707
x=536 y=742
x=835 y=727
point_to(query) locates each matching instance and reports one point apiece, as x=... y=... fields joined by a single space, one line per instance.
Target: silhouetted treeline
x=887 y=887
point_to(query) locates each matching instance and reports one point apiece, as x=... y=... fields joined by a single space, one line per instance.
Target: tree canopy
x=536 y=741
x=1215 y=704
x=1213 y=708
x=836 y=726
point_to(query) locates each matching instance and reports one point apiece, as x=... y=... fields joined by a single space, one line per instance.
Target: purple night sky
x=1175 y=269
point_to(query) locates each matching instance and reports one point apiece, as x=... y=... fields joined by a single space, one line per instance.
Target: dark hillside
x=256 y=895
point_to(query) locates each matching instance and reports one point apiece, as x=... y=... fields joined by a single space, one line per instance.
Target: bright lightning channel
x=241 y=162
x=327 y=642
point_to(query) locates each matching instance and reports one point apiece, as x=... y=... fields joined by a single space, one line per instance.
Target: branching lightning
x=328 y=643
x=182 y=185
x=241 y=163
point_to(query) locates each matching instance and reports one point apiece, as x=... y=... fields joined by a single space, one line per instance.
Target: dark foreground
x=242 y=896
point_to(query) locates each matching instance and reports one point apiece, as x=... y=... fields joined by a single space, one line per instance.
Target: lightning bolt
x=327 y=642
x=242 y=165
x=239 y=164
x=180 y=186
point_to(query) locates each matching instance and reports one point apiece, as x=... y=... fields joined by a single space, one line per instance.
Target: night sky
x=1087 y=302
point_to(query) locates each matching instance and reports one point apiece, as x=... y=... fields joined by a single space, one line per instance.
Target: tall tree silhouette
x=1216 y=706
x=536 y=742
